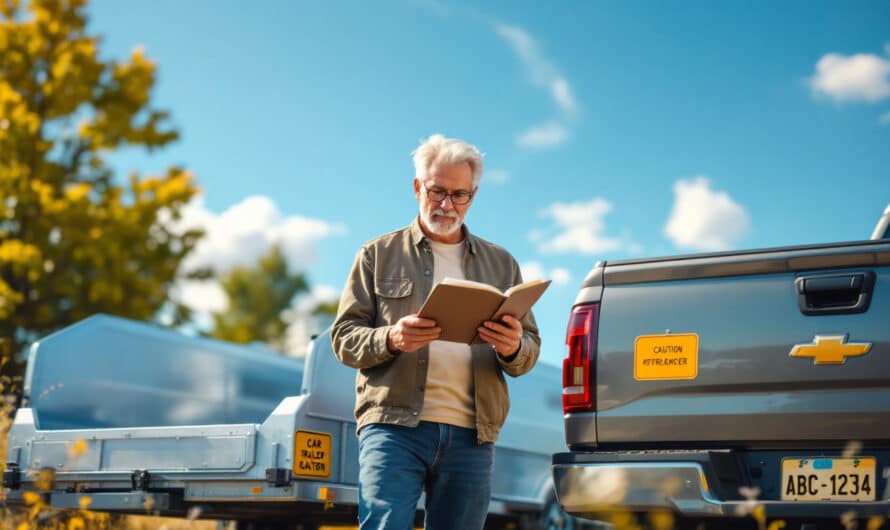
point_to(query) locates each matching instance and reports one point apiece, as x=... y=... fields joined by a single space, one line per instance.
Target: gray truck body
x=697 y=445
x=196 y=423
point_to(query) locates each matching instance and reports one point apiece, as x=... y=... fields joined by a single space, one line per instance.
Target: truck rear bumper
x=685 y=483
x=591 y=488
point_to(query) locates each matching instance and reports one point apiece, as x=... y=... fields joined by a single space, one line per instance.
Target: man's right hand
x=411 y=333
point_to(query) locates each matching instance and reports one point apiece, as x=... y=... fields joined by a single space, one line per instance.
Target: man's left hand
x=504 y=335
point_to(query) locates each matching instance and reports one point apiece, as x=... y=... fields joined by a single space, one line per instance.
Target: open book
x=461 y=306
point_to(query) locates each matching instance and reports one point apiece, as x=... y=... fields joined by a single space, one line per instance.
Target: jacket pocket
x=393 y=299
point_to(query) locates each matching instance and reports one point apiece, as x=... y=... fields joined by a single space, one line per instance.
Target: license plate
x=312 y=454
x=828 y=479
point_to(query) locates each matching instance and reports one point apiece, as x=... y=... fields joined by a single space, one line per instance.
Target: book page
x=515 y=288
x=521 y=299
x=470 y=284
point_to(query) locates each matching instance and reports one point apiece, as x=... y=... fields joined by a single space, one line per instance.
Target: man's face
x=442 y=219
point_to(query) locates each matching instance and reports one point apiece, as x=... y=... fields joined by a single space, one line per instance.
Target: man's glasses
x=459 y=197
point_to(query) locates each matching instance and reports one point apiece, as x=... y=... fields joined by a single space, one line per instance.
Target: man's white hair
x=437 y=149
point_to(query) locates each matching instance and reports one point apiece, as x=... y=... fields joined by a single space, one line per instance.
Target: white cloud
x=579 y=227
x=238 y=237
x=545 y=75
x=245 y=231
x=562 y=93
x=704 y=219
x=560 y=275
x=302 y=324
x=318 y=294
x=203 y=296
x=859 y=77
x=885 y=118
x=540 y=69
x=532 y=270
x=547 y=135
x=498 y=176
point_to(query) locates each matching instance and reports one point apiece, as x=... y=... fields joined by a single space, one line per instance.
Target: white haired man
x=428 y=411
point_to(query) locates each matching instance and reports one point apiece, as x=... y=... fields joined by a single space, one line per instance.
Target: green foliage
x=328 y=309
x=257 y=298
x=72 y=241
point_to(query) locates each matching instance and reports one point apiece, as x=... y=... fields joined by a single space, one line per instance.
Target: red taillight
x=578 y=366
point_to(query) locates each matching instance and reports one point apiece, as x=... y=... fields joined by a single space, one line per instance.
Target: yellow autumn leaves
x=93 y=234
x=74 y=239
x=77 y=449
x=15 y=117
x=40 y=515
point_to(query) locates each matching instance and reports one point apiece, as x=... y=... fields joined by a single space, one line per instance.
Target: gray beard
x=439 y=228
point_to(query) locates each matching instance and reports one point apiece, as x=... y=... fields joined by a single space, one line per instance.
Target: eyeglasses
x=459 y=197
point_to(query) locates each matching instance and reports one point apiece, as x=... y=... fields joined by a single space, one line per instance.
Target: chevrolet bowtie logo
x=830 y=349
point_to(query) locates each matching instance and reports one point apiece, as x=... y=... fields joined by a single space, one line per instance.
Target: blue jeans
x=396 y=463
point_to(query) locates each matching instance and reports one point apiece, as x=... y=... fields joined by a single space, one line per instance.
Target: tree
x=73 y=241
x=257 y=298
x=326 y=309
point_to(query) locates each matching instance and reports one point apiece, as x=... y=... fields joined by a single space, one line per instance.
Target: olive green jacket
x=391 y=277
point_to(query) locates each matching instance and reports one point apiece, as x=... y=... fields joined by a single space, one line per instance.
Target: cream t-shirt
x=449 y=380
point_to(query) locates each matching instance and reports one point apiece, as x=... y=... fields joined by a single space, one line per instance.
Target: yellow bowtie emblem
x=830 y=349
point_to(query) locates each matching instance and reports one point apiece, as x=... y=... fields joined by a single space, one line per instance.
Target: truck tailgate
x=740 y=382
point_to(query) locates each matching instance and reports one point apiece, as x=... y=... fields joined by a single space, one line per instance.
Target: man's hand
x=411 y=333
x=504 y=335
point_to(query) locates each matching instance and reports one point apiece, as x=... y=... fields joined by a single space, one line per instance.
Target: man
x=429 y=411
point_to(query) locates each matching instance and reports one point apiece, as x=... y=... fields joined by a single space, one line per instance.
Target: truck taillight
x=579 y=365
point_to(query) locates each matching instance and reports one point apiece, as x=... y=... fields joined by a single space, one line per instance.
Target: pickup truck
x=707 y=387
x=140 y=419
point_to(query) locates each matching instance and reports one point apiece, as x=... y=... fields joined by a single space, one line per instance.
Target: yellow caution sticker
x=312 y=454
x=670 y=356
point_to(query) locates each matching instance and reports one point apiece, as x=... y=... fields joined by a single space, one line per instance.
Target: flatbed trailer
x=141 y=419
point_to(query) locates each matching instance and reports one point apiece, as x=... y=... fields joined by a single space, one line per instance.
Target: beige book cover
x=461 y=306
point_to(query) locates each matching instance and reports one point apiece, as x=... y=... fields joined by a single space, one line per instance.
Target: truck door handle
x=834 y=294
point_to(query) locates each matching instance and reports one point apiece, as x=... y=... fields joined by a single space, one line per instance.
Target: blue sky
x=611 y=129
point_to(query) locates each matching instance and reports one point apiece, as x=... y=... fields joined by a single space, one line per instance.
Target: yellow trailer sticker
x=312 y=454
x=671 y=356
